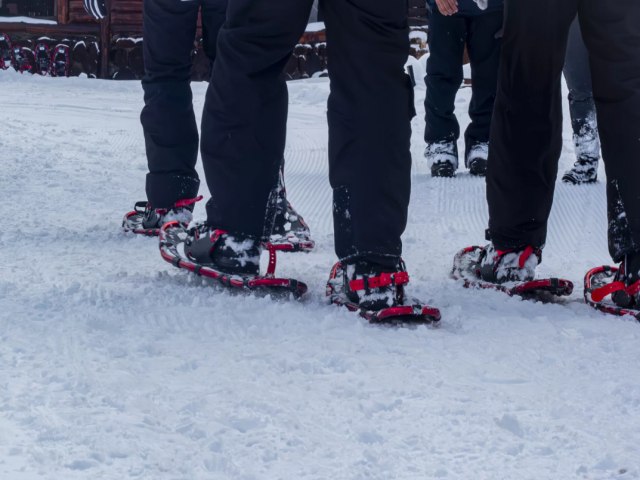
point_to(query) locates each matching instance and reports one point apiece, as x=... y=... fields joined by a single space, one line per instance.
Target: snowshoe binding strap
x=613 y=288
x=488 y=271
x=384 y=279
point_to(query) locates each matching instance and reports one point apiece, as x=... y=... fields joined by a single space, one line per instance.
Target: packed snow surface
x=115 y=365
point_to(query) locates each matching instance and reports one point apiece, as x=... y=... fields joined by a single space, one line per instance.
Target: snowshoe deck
x=465 y=269
x=413 y=314
x=172 y=237
x=597 y=292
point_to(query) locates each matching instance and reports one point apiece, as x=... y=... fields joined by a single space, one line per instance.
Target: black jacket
x=469 y=7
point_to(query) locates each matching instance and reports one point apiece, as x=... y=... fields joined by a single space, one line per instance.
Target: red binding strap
x=524 y=256
x=185 y=202
x=600 y=293
x=383 y=280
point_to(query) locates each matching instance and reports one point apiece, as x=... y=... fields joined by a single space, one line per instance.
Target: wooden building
x=112 y=48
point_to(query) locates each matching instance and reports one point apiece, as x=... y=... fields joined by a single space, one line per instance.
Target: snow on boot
x=290 y=231
x=442 y=158
x=615 y=290
x=476 y=159
x=377 y=293
x=585 y=169
x=232 y=254
x=146 y=220
x=516 y=265
x=231 y=260
x=509 y=271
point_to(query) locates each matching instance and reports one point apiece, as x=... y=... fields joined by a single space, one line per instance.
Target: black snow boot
x=442 y=158
x=374 y=287
x=146 y=220
x=228 y=253
x=514 y=265
x=629 y=275
x=585 y=169
x=289 y=223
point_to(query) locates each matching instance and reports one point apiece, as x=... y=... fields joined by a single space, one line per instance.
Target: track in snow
x=115 y=365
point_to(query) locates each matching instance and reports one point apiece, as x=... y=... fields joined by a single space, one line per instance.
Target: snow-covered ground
x=115 y=365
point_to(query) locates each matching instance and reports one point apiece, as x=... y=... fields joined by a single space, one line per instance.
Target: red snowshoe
x=174 y=237
x=145 y=220
x=60 y=61
x=467 y=267
x=23 y=59
x=344 y=288
x=6 y=52
x=43 y=59
x=602 y=283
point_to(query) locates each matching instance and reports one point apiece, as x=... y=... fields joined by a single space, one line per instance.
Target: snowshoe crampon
x=599 y=284
x=410 y=312
x=466 y=268
x=172 y=238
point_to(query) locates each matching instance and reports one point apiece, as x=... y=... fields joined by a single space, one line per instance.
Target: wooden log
x=63 y=11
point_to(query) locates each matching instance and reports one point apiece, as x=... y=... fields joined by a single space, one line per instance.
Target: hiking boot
x=146 y=220
x=629 y=275
x=442 y=158
x=233 y=254
x=289 y=225
x=514 y=265
x=585 y=169
x=373 y=286
x=476 y=159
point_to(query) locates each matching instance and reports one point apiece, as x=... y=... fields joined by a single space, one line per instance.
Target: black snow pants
x=448 y=36
x=168 y=120
x=369 y=112
x=526 y=133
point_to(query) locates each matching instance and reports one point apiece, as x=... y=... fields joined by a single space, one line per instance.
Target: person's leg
x=578 y=77
x=610 y=30
x=168 y=121
x=245 y=113
x=214 y=13
x=526 y=129
x=582 y=109
x=483 y=45
x=444 y=77
x=369 y=113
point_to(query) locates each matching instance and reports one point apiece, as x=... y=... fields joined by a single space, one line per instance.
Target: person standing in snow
x=582 y=109
x=169 y=123
x=452 y=25
x=369 y=111
x=526 y=132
